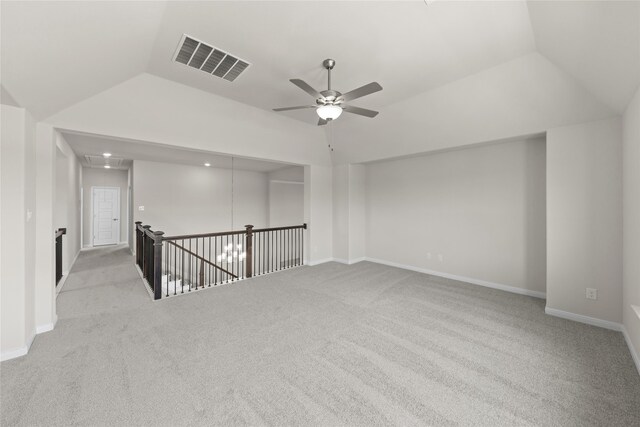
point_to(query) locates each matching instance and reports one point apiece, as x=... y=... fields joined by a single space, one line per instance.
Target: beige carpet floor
x=329 y=345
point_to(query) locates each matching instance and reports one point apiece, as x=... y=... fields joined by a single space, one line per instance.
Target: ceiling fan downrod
x=329 y=64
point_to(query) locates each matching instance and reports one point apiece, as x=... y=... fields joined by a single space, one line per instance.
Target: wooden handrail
x=291 y=227
x=231 y=233
x=202 y=259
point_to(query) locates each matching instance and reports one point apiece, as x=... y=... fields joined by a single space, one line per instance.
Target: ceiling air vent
x=95 y=161
x=209 y=59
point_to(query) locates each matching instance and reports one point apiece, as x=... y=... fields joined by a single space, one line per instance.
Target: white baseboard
x=65 y=274
x=470 y=280
x=583 y=319
x=18 y=352
x=47 y=326
x=632 y=349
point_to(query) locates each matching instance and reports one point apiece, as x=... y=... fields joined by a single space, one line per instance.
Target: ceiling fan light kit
x=329 y=112
x=330 y=103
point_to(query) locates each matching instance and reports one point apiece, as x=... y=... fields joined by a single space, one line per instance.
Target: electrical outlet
x=592 y=293
x=140 y=208
x=440 y=257
x=429 y=255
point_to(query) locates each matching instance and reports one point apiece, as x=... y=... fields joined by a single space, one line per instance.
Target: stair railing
x=196 y=261
x=59 y=233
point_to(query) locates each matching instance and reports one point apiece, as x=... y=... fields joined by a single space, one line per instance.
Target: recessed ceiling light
x=207 y=164
x=106 y=154
x=107 y=167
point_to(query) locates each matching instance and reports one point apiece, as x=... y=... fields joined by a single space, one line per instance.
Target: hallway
x=332 y=344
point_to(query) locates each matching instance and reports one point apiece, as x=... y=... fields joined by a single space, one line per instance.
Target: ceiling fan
x=330 y=103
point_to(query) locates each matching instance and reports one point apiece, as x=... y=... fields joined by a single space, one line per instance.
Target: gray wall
x=584 y=219
x=631 y=204
x=286 y=203
x=67 y=214
x=477 y=213
x=18 y=189
x=286 y=196
x=180 y=199
x=100 y=177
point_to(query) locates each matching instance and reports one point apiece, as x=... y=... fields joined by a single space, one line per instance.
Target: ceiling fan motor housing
x=329 y=97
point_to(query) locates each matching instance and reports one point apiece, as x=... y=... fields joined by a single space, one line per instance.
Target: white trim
x=583 y=319
x=144 y=283
x=65 y=274
x=632 y=349
x=46 y=327
x=18 y=352
x=470 y=280
x=118 y=208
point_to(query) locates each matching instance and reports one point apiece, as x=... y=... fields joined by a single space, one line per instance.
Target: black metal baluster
x=202 y=273
x=237 y=251
x=216 y=273
x=290 y=245
x=226 y=252
x=299 y=246
x=182 y=268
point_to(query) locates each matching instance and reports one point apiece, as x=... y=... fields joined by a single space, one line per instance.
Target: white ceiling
x=405 y=46
x=597 y=42
x=56 y=53
x=94 y=145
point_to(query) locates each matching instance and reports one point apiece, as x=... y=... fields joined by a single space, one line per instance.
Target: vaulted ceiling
x=56 y=54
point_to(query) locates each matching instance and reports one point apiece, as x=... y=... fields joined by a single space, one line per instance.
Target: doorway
x=105 y=206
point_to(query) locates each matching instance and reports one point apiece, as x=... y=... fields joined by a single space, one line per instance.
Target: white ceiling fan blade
x=361 y=91
x=360 y=111
x=294 y=108
x=306 y=87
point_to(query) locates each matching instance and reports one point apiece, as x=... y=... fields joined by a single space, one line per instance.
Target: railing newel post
x=248 y=259
x=138 y=244
x=157 y=264
x=146 y=261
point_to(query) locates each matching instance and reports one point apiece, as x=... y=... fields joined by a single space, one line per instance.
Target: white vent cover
x=114 y=162
x=211 y=60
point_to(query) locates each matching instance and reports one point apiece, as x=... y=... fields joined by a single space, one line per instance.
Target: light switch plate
x=140 y=208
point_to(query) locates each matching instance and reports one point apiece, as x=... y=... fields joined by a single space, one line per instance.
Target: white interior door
x=106 y=215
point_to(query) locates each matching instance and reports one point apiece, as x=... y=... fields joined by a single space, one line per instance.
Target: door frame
x=101 y=187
